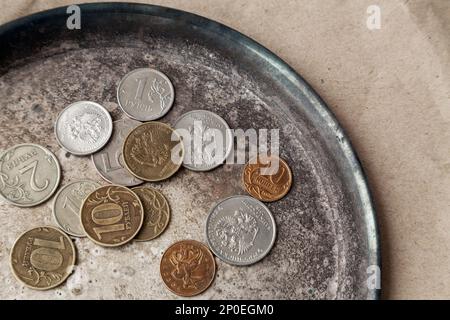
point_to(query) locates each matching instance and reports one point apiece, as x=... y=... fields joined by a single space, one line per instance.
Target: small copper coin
x=156 y=213
x=267 y=178
x=187 y=268
x=153 y=151
x=42 y=258
x=112 y=215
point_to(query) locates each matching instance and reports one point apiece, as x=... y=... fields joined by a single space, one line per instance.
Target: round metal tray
x=327 y=234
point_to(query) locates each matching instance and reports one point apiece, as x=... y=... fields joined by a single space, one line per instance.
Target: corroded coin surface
x=187 y=268
x=145 y=94
x=29 y=175
x=42 y=258
x=153 y=151
x=84 y=127
x=109 y=160
x=156 y=213
x=207 y=139
x=267 y=178
x=112 y=215
x=240 y=230
x=67 y=204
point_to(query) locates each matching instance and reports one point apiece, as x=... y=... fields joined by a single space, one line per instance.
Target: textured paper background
x=389 y=88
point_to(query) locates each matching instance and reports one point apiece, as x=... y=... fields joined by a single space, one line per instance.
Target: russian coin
x=153 y=151
x=156 y=213
x=67 y=204
x=207 y=139
x=83 y=127
x=267 y=178
x=111 y=215
x=42 y=258
x=240 y=230
x=29 y=174
x=187 y=268
x=145 y=94
x=109 y=160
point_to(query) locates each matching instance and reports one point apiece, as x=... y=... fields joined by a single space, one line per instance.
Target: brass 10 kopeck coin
x=153 y=151
x=267 y=178
x=112 y=215
x=187 y=268
x=42 y=258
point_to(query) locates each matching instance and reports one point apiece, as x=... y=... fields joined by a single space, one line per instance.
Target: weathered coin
x=240 y=230
x=109 y=160
x=153 y=151
x=145 y=94
x=67 y=204
x=29 y=174
x=156 y=213
x=111 y=215
x=42 y=258
x=267 y=178
x=187 y=268
x=207 y=139
x=83 y=127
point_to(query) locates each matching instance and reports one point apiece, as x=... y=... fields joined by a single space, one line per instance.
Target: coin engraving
x=208 y=142
x=156 y=213
x=240 y=230
x=149 y=151
x=42 y=258
x=187 y=268
x=111 y=215
x=145 y=94
x=67 y=204
x=267 y=186
x=83 y=127
x=29 y=174
x=109 y=161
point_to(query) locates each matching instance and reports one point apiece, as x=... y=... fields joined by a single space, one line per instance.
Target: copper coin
x=112 y=215
x=187 y=268
x=42 y=258
x=156 y=213
x=267 y=178
x=153 y=151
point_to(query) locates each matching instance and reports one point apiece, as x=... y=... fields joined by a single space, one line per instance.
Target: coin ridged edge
x=69 y=273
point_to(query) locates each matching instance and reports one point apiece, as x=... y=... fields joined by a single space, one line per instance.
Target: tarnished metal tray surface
x=327 y=236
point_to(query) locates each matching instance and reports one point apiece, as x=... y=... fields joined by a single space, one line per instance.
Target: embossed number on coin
x=42 y=258
x=112 y=215
x=29 y=174
x=187 y=268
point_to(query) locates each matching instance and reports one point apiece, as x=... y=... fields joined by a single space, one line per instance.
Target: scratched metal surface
x=327 y=234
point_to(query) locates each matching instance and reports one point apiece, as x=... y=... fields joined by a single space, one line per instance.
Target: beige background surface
x=389 y=88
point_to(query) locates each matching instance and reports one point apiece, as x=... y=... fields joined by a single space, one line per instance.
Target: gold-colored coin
x=42 y=258
x=267 y=178
x=153 y=151
x=187 y=268
x=156 y=213
x=112 y=215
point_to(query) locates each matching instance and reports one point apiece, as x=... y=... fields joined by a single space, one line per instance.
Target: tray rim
x=361 y=181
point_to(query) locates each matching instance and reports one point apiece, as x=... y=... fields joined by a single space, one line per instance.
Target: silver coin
x=145 y=94
x=109 y=161
x=67 y=204
x=240 y=230
x=29 y=174
x=207 y=139
x=83 y=127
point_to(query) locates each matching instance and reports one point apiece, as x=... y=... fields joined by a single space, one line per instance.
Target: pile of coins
x=240 y=230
